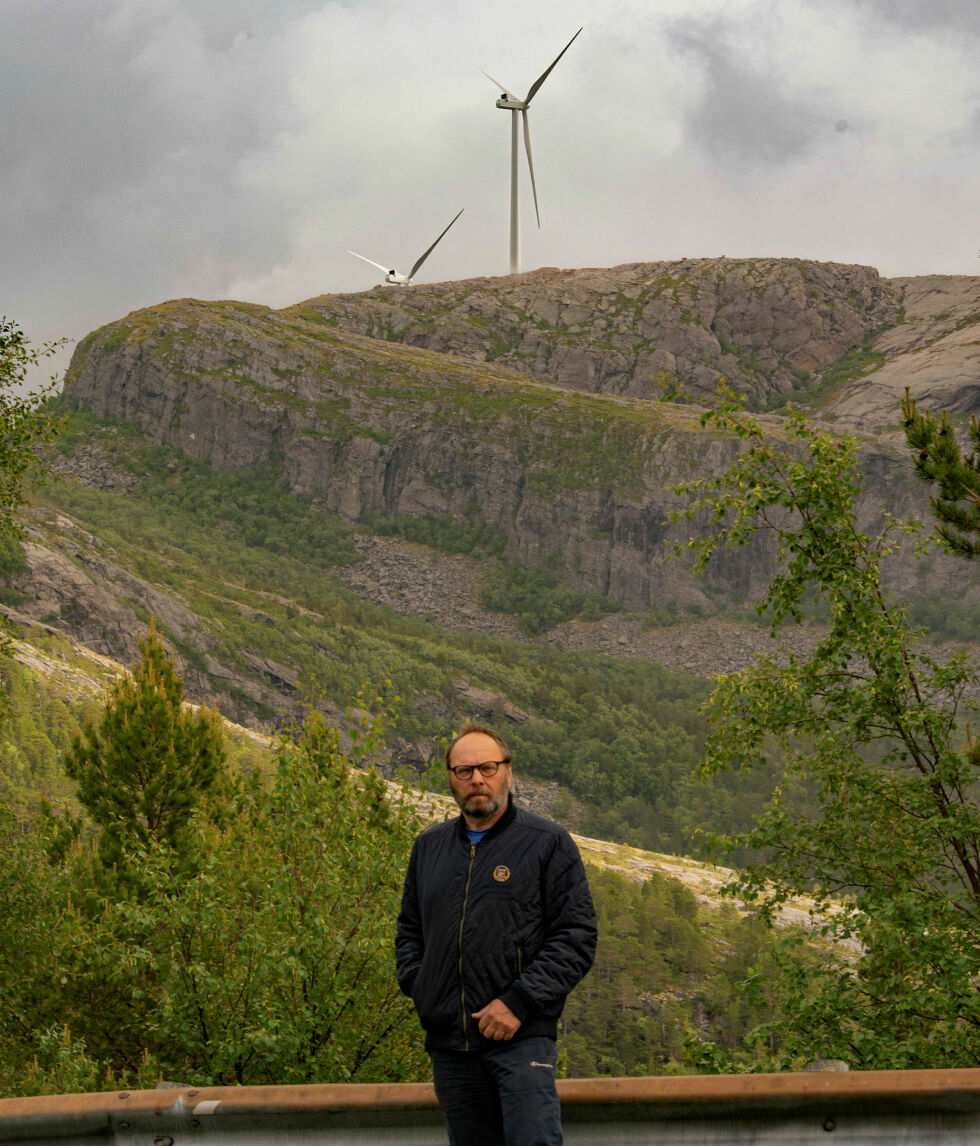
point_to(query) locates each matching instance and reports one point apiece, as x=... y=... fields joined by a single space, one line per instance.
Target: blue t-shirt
x=474 y=835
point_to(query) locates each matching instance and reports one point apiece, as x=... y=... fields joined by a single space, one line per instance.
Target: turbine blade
x=421 y=259
x=499 y=86
x=544 y=75
x=384 y=270
x=530 y=165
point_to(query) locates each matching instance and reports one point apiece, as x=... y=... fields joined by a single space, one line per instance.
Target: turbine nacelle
x=391 y=276
x=509 y=103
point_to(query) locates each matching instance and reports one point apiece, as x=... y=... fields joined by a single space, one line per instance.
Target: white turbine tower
x=510 y=102
x=392 y=276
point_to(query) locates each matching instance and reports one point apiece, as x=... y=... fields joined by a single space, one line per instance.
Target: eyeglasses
x=465 y=771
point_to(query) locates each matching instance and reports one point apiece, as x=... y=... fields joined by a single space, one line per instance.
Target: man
x=496 y=927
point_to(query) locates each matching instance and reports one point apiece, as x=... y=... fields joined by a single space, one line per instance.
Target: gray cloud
x=748 y=115
x=132 y=151
x=156 y=148
x=957 y=17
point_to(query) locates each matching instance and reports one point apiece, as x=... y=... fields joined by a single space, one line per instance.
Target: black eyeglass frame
x=469 y=769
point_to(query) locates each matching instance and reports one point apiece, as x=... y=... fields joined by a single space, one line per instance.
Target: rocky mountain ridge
x=934 y=351
x=777 y=329
x=768 y=325
x=193 y=419
x=577 y=481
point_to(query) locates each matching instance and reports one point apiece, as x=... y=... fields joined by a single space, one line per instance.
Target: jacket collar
x=510 y=813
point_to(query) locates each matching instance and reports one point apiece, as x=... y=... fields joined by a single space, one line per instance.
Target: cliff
x=575 y=481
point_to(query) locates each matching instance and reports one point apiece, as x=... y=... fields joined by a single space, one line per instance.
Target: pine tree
x=939 y=459
x=150 y=761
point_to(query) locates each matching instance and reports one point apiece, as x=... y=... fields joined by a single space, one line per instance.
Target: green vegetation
x=940 y=461
x=538 y=599
x=24 y=422
x=260 y=964
x=244 y=934
x=853 y=364
x=622 y=737
x=149 y=762
x=441 y=531
x=877 y=727
x=634 y=723
x=946 y=617
x=244 y=506
x=241 y=931
x=25 y=425
x=667 y=982
x=248 y=940
x=12 y=559
x=663 y=615
x=237 y=928
x=40 y=724
x=12 y=564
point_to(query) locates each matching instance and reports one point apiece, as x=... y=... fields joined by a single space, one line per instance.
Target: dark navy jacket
x=509 y=917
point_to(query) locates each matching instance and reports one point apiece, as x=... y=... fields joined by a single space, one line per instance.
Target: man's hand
x=497 y=1021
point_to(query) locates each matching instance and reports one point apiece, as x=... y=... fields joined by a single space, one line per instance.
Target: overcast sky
x=153 y=149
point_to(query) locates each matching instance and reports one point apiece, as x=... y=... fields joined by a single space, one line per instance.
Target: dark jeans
x=504 y=1096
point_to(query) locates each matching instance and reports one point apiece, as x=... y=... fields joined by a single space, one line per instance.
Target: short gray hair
x=487 y=731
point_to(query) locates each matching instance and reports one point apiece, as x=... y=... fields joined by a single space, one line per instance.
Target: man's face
x=480 y=798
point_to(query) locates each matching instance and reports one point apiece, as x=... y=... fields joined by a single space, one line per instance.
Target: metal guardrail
x=907 y=1107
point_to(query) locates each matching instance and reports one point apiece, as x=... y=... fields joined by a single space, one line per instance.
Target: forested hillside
x=667 y=975
x=245 y=579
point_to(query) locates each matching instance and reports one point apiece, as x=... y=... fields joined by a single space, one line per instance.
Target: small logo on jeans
x=549 y=1065
x=501 y=874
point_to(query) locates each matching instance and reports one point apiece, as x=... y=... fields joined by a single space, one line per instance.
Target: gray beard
x=488 y=806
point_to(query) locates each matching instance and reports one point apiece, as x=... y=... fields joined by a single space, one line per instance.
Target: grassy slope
x=622 y=737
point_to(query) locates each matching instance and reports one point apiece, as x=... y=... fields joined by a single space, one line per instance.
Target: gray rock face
x=580 y=482
x=72 y=590
x=934 y=351
x=767 y=325
x=64 y=595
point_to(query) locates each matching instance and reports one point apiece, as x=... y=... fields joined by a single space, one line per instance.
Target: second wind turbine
x=510 y=102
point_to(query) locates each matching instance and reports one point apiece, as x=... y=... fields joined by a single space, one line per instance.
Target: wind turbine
x=392 y=276
x=510 y=102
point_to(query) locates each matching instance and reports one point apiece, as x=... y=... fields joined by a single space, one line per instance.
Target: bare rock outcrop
x=934 y=350
x=58 y=592
x=576 y=481
x=69 y=587
x=765 y=324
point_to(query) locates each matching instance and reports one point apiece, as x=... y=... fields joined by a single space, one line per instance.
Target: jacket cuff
x=515 y=999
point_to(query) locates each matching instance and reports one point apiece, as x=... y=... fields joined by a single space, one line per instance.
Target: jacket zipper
x=462 y=920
